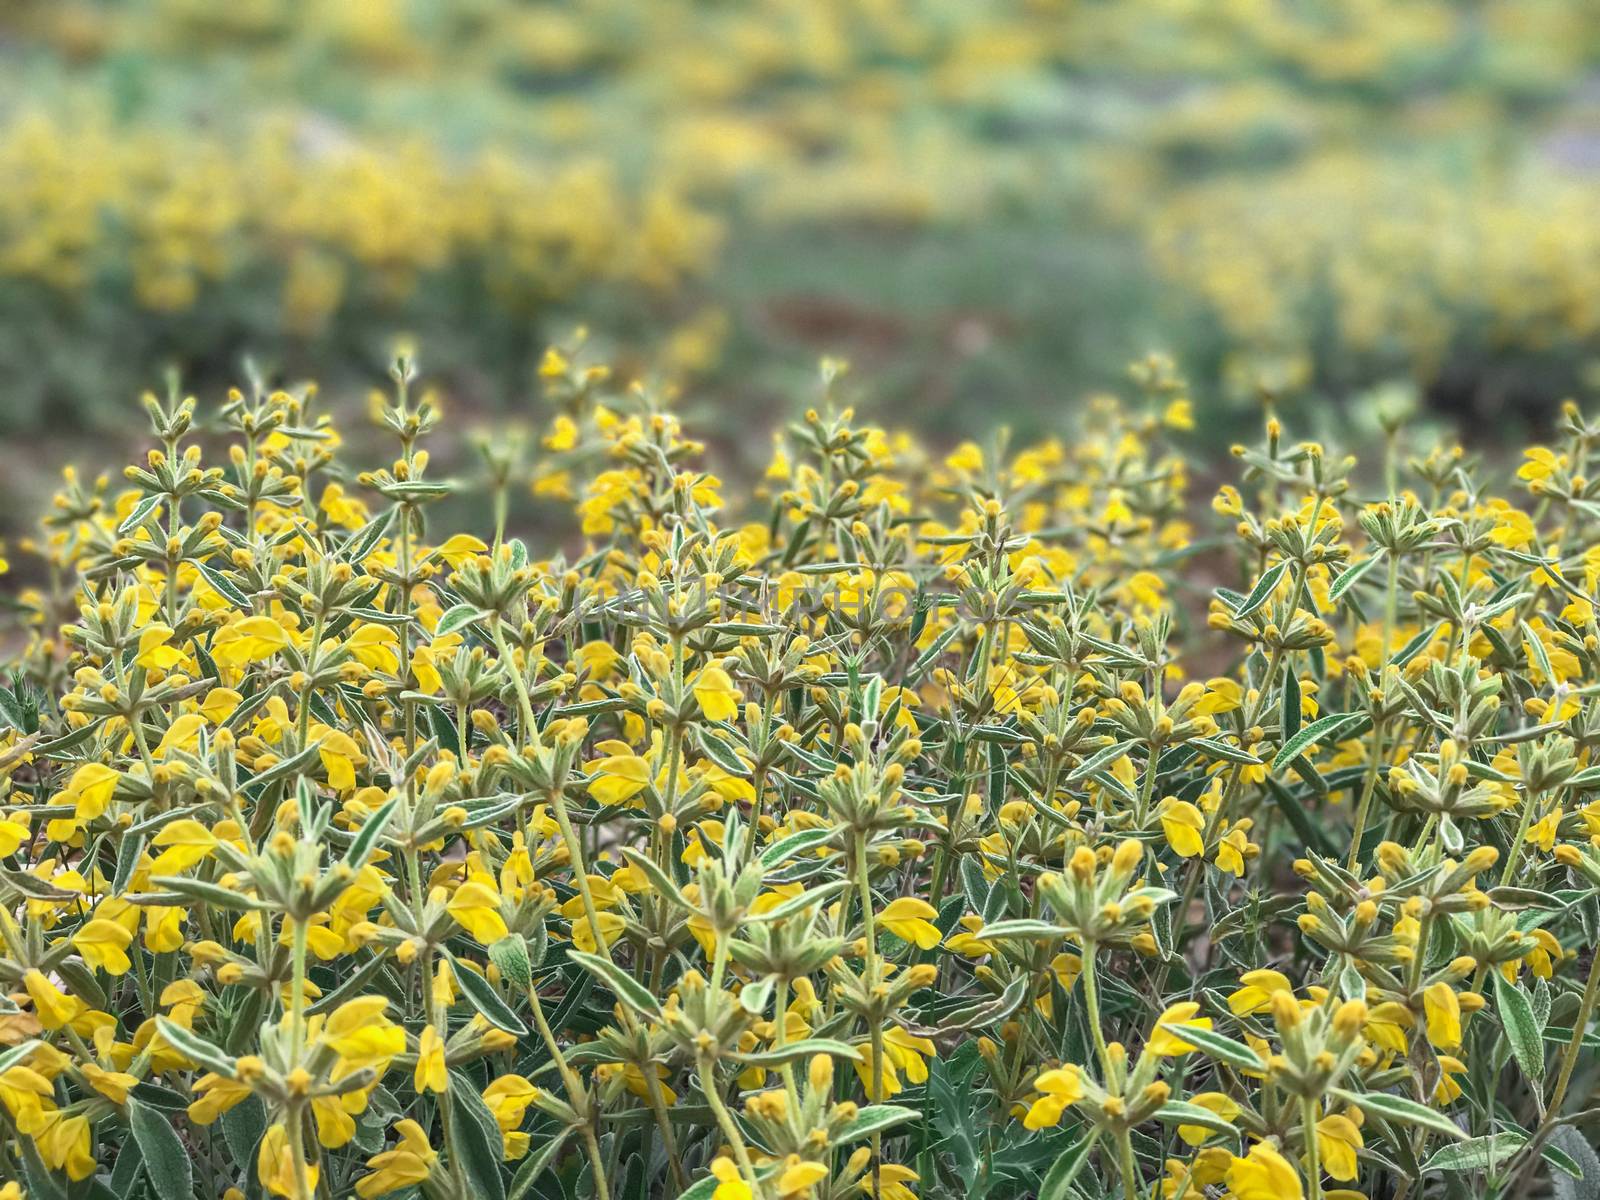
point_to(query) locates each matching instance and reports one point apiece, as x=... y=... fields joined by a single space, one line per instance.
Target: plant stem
x=1308 y=1117
x=1569 y=1056
x=1091 y=1003
x=875 y=1024
x=708 y=1084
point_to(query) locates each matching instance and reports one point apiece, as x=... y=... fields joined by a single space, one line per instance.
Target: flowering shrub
x=888 y=833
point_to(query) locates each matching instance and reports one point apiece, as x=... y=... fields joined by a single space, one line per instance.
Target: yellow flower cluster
x=1400 y=267
x=894 y=830
x=328 y=226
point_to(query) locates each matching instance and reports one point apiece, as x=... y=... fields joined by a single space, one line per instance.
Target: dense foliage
x=889 y=831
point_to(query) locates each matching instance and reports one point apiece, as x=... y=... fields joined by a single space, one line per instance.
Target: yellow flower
x=154 y=654
x=215 y=1096
x=51 y=1005
x=730 y=1185
x=1338 y=1139
x=1542 y=463
x=407 y=1165
x=335 y=1126
x=340 y=755
x=1234 y=848
x=1542 y=833
x=64 y=1142
x=460 y=547
x=249 y=640
x=718 y=698
x=375 y=647
x=1443 y=1012
x=219 y=704
x=104 y=946
x=476 y=908
x=113 y=1085
x=508 y=1098
x=1264 y=1175
x=911 y=920
x=183 y=734
x=1221 y=695
x=1447 y=1089
x=90 y=789
x=611 y=926
x=1183 y=823
x=1256 y=994
x=1182 y=1015
x=184 y=843
x=618 y=778
x=431 y=1074
x=275 y=1166
x=359 y=1033
x=1058 y=1090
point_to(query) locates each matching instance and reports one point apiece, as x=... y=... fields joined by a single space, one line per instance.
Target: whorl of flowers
x=897 y=829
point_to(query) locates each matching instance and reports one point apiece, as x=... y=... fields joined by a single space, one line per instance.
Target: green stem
x=1514 y=851
x=1130 y=1174
x=1368 y=788
x=1308 y=1117
x=875 y=1023
x=1569 y=1056
x=1091 y=1004
x=708 y=1084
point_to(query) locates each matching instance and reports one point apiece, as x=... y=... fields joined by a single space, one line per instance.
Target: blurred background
x=989 y=208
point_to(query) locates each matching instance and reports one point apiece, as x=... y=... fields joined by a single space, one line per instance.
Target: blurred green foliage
x=991 y=207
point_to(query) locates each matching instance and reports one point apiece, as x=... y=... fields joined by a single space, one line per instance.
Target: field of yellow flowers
x=897 y=829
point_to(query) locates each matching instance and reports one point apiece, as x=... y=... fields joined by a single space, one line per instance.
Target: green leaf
x=1057 y=1183
x=225 y=587
x=140 y=512
x=1494 y=1150
x=1219 y=749
x=1181 y=1112
x=703 y=1189
x=198 y=889
x=754 y=997
x=785 y=848
x=1233 y=1053
x=166 y=1162
x=67 y=741
x=1263 y=589
x=242 y=1128
x=1521 y=1026
x=1311 y=833
x=1406 y=1112
x=801 y=1049
x=1102 y=758
x=874 y=1118
x=1350 y=575
x=129 y=851
x=367 y=836
x=478 y=1145
x=1023 y=930
x=628 y=989
x=284 y=768
x=481 y=995
x=535 y=1165
x=192 y=1045
x=1320 y=729
x=458 y=618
